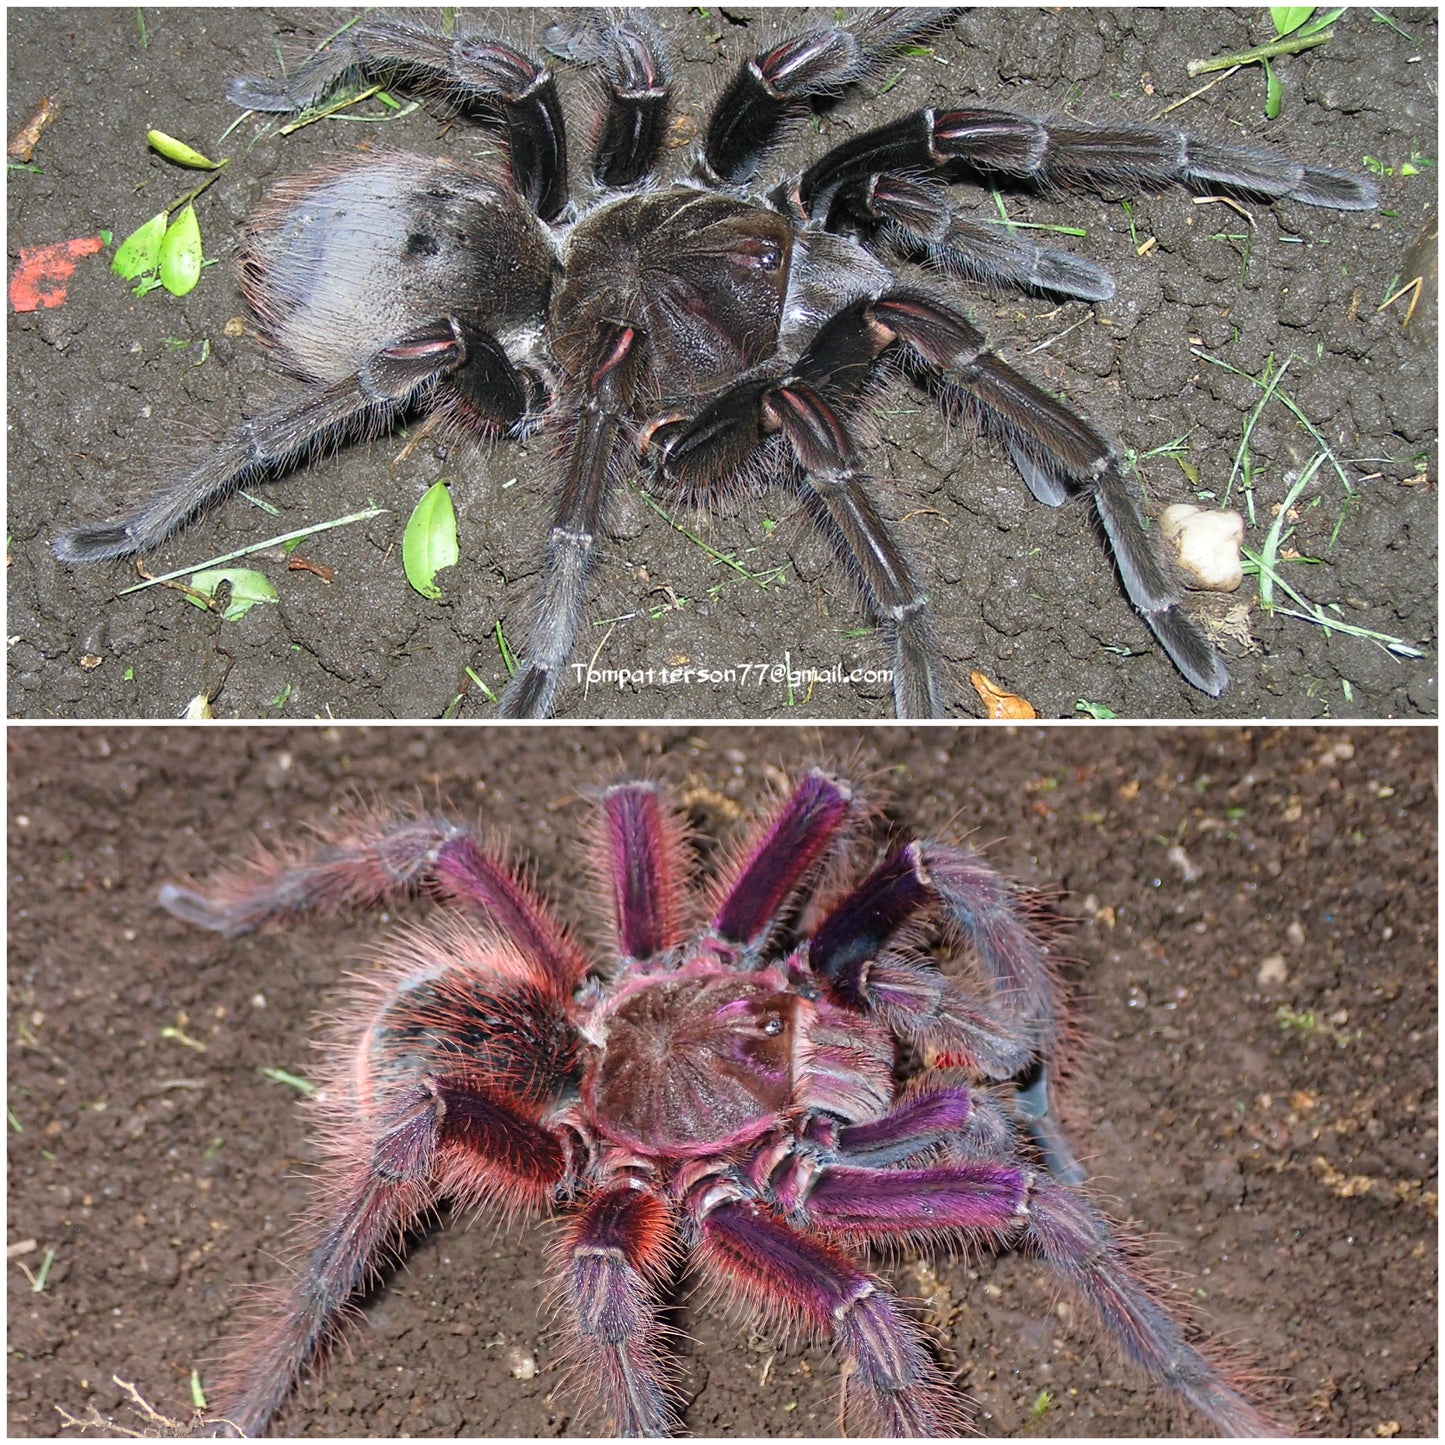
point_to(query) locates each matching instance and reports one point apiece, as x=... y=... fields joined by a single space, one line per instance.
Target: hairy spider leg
x=1010 y=1032
x=630 y=52
x=776 y=84
x=914 y=218
x=1058 y=454
x=891 y=1384
x=454 y=1049
x=473 y=74
x=927 y=1120
x=643 y=869
x=782 y=853
x=279 y=438
x=803 y=410
x=613 y=1261
x=589 y=458
x=997 y=1200
x=368 y=859
x=1001 y=143
x=1080 y=1246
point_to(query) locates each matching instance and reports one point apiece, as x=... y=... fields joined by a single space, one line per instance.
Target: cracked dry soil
x=107 y=392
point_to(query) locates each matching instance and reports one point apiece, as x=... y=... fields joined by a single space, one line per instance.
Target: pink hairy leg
x=643 y=870
x=615 y=1258
x=779 y=858
x=891 y=1384
x=441 y=1140
x=370 y=858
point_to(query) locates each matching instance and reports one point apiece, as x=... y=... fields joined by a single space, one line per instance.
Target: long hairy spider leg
x=977 y=1199
x=367 y=859
x=781 y=854
x=1080 y=1246
x=471 y=73
x=891 y=1384
x=750 y=114
x=1058 y=454
x=643 y=869
x=915 y=218
x=366 y=1217
x=581 y=504
x=1002 y=143
x=612 y=1262
x=439 y=1139
x=629 y=49
x=278 y=439
x=830 y=469
x=926 y=1121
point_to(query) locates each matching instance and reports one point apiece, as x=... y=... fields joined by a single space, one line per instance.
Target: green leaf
x=1095 y=710
x=1273 y=92
x=180 y=258
x=1289 y=18
x=179 y=152
x=140 y=252
x=1322 y=22
x=430 y=541
x=248 y=587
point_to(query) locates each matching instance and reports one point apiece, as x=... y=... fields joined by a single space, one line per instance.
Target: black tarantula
x=728 y=329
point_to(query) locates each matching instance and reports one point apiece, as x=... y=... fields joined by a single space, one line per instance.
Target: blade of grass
x=760 y=578
x=1242 y=452
x=1288 y=402
x=311 y=531
x=1269 y=554
x=1315 y=613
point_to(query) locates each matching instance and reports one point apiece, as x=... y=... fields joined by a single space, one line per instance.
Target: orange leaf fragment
x=40 y=274
x=1000 y=704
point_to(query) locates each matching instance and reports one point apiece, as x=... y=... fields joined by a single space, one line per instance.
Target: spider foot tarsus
x=1080 y=1245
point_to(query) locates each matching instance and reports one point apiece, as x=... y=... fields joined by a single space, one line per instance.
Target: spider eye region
x=702 y=277
x=693 y=1065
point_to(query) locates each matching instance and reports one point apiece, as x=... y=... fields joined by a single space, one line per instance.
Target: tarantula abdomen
x=339 y=263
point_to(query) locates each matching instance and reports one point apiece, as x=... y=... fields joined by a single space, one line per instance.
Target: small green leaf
x=179 y=152
x=1322 y=22
x=430 y=541
x=1095 y=710
x=180 y=258
x=1273 y=92
x=1289 y=18
x=248 y=587
x=140 y=252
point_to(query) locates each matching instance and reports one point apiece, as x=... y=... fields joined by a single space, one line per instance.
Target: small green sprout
x=292 y=1081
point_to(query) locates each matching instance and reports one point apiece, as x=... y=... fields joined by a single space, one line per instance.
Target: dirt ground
x=108 y=392
x=1255 y=963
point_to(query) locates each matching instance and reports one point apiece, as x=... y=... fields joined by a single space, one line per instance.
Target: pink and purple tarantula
x=735 y=1086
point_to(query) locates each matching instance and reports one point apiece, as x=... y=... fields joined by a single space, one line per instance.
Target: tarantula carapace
x=729 y=329
x=746 y=1084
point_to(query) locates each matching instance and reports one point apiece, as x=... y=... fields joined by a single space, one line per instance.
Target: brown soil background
x=1289 y=1172
x=106 y=393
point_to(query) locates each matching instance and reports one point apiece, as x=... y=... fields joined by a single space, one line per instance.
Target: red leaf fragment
x=38 y=281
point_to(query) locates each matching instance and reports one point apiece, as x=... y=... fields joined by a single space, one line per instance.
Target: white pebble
x=1207 y=545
